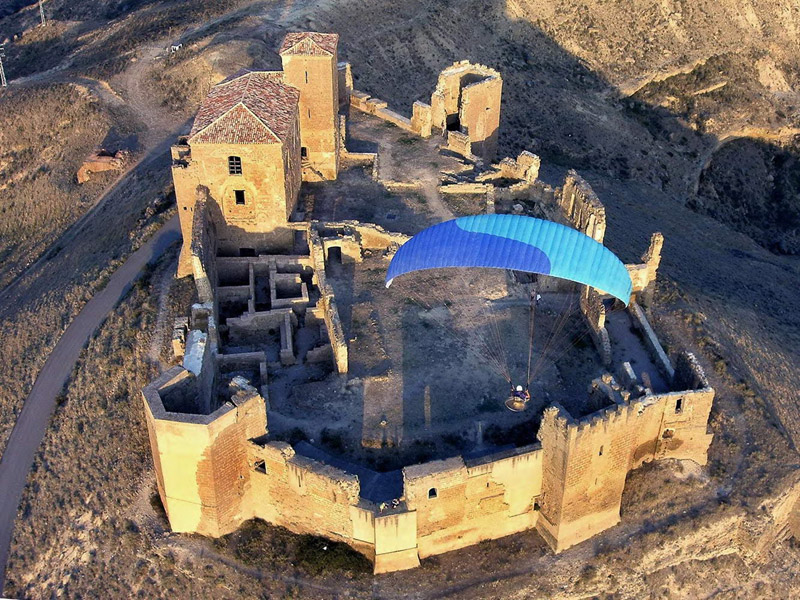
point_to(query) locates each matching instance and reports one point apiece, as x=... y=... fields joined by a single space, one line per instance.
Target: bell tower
x=310 y=65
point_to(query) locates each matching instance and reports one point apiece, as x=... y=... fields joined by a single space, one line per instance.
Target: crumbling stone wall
x=327 y=301
x=594 y=312
x=581 y=207
x=643 y=275
x=100 y=161
x=299 y=493
x=586 y=461
x=467 y=100
x=202 y=248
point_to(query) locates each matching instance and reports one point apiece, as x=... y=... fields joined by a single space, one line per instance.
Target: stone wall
x=643 y=275
x=419 y=123
x=327 y=302
x=460 y=503
x=212 y=475
x=586 y=461
x=581 y=207
x=594 y=312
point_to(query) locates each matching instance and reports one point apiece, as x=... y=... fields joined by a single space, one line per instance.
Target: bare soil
x=569 y=70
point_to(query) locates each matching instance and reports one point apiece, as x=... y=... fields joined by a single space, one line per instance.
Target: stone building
x=237 y=177
x=256 y=136
x=310 y=66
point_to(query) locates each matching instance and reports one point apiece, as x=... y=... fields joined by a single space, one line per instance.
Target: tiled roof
x=309 y=42
x=251 y=107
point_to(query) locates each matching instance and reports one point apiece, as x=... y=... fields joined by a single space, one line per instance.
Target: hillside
x=682 y=115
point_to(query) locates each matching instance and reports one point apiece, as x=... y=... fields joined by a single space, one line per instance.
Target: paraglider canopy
x=514 y=242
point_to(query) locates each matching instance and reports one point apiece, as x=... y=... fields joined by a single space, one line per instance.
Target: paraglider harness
x=520 y=394
x=518 y=400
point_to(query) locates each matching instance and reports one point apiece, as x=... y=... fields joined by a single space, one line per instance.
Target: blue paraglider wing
x=514 y=242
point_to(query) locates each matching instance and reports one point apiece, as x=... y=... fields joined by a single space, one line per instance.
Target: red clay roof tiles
x=253 y=107
x=309 y=42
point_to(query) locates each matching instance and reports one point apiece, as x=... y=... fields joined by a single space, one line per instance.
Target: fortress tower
x=244 y=147
x=310 y=65
x=466 y=104
x=585 y=464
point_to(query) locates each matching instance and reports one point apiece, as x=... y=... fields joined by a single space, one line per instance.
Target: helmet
x=519 y=388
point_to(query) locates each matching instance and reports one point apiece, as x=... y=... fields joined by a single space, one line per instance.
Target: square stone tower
x=244 y=148
x=310 y=65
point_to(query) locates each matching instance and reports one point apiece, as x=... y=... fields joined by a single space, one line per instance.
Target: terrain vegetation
x=682 y=115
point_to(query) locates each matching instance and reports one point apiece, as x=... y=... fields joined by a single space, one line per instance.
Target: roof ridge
x=260 y=120
x=302 y=36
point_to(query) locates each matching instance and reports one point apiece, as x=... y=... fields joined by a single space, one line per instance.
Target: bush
x=319 y=556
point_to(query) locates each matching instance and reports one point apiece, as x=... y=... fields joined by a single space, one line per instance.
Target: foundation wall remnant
x=327 y=301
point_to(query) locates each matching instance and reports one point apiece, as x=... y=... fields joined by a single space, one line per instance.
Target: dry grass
x=46 y=300
x=45 y=134
x=98 y=39
x=557 y=60
x=93 y=454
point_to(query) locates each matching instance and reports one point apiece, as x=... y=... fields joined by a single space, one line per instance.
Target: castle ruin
x=269 y=313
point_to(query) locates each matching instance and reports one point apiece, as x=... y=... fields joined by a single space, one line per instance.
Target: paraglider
x=518 y=243
x=514 y=242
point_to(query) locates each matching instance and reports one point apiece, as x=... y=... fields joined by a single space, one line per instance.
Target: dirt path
x=35 y=415
x=781 y=135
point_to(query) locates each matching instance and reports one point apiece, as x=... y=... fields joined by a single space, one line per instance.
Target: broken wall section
x=466 y=105
x=586 y=461
x=327 y=305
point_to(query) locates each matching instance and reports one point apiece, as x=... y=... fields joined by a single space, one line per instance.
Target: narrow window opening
x=601 y=451
x=260 y=466
x=679 y=405
x=536 y=505
x=303 y=152
x=234 y=165
x=239 y=194
x=306 y=76
x=335 y=255
x=432 y=493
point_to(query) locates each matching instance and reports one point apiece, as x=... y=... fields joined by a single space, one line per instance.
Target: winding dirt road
x=35 y=415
